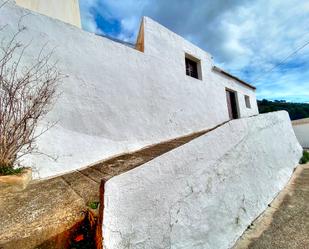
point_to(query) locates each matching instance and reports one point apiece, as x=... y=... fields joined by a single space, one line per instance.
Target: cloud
x=88 y=12
x=103 y=15
x=247 y=38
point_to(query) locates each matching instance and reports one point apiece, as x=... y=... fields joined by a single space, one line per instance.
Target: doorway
x=232 y=104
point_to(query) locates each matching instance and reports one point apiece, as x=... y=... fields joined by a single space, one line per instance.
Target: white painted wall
x=64 y=10
x=301 y=130
x=118 y=99
x=202 y=195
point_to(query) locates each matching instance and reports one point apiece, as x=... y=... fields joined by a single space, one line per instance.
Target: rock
x=14 y=183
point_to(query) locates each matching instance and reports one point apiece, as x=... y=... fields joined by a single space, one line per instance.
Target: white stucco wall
x=115 y=98
x=64 y=10
x=302 y=133
x=204 y=194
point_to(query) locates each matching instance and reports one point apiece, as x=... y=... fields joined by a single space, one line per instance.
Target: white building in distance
x=118 y=98
x=301 y=129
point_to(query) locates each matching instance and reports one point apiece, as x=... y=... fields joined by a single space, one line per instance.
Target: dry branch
x=26 y=95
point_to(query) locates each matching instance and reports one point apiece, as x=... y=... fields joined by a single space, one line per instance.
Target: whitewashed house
x=119 y=98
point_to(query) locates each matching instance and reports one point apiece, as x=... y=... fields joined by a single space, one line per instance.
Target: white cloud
x=88 y=17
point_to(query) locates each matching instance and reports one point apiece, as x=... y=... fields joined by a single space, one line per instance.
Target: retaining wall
x=203 y=194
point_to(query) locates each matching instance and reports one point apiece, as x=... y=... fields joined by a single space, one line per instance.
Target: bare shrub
x=26 y=95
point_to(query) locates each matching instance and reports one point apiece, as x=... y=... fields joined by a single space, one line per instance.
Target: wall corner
x=140 y=42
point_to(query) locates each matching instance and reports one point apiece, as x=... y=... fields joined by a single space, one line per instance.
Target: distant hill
x=296 y=110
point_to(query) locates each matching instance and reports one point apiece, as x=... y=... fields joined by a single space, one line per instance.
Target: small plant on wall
x=305 y=157
x=26 y=95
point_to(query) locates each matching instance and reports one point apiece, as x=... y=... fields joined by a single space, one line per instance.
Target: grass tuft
x=305 y=157
x=93 y=204
x=4 y=171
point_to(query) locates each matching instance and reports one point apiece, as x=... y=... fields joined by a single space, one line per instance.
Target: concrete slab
x=44 y=209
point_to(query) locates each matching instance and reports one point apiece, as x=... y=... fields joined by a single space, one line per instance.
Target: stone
x=13 y=183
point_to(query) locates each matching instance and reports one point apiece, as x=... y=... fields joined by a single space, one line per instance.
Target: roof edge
x=233 y=77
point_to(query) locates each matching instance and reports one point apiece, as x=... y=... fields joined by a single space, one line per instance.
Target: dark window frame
x=193 y=67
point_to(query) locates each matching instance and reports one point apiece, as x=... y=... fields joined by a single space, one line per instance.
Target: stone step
x=93 y=173
x=84 y=186
x=44 y=209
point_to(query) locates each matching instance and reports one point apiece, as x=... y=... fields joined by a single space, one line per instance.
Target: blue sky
x=246 y=38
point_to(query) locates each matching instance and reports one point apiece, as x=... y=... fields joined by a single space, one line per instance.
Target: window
x=193 y=67
x=247 y=100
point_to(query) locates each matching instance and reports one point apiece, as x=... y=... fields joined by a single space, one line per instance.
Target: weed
x=305 y=157
x=10 y=171
x=93 y=204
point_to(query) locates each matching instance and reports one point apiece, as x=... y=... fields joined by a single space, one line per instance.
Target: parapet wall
x=203 y=194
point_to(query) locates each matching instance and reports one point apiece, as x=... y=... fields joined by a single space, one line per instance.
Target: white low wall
x=301 y=129
x=116 y=98
x=203 y=194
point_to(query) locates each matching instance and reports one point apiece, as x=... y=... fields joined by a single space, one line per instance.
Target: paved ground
x=285 y=224
x=35 y=217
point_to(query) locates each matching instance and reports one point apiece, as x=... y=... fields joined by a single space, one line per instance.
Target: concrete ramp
x=55 y=213
x=205 y=193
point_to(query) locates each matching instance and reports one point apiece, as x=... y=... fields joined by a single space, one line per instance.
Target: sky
x=258 y=41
